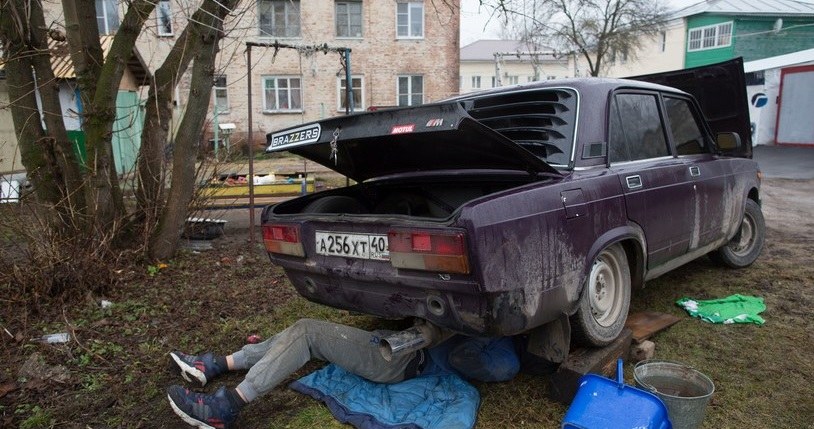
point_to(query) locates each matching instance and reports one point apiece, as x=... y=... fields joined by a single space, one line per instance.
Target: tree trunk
x=200 y=38
x=165 y=242
x=49 y=158
x=151 y=175
x=99 y=83
x=151 y=172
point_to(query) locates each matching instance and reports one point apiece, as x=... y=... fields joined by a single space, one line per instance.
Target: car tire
x=744 y=248
x=605 y=299
x=335 y=204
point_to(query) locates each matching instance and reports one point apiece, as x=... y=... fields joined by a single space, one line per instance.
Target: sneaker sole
x=187 y=418
x=188 y=371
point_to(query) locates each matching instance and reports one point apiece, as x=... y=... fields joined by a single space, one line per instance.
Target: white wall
x=522 y=69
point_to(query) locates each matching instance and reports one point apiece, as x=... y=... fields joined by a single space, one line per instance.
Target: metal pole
x=498 y=81
x=348 y=84
x=251 y=144
x=215 y=131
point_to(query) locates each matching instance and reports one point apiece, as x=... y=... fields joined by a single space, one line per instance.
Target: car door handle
x=695 y=171
x=634 y=182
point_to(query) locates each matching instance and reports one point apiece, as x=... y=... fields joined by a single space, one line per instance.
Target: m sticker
x=402 y=129
x=435 y=122
x=295 y=137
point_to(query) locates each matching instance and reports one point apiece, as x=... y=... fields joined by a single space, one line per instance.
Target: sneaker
x=200 y=368
x=202 y=410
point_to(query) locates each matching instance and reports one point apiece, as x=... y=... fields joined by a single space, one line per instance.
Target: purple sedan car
x=498 y=212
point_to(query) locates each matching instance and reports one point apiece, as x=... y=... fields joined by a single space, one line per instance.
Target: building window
x=107 y=16
x=512 y=80
x=411 y=90
x=163 y=14
x=475 y=82
x=549 y=77
x=663 y=45
x=494 y=81
x=221 y=94
x=282 y=94
x=349 y=19
x=410 y=20
x=357 y=93
x=710 y=37
x=279 y=18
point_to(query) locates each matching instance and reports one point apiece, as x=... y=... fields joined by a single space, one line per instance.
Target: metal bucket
x=684 y=390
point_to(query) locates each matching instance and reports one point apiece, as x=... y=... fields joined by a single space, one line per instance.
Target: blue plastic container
x=602 y=403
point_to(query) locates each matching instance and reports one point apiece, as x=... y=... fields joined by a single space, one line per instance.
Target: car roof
x=581 y=84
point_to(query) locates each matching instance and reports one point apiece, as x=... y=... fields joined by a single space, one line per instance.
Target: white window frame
x=340 y=92
x=348 y=18
x=159 y=7
x=512 y=80
x=216 y=88
x=476 y=82
x=410 y=6
x=277 y=79
x=287 y=4
x=410 y=94
x=114 y=6
x=719 y=35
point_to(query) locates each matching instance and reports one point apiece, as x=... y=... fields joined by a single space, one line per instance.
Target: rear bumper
x=453 y=304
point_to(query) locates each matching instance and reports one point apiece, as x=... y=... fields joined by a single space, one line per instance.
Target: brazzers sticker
x=295 y=137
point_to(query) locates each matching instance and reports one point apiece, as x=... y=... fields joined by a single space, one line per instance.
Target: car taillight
x=429 y=251
x=284 y=239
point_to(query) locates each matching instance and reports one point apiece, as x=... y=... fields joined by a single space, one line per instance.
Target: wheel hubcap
x=743 y=242
x=604 y=290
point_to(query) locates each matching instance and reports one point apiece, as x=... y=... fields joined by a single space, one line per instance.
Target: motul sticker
x=435 y=123
x=402 y=129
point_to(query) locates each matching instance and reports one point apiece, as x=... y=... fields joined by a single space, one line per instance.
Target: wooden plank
x=647 y=323
x=563 y=384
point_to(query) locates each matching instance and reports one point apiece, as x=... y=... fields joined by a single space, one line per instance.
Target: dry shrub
x=43 y=263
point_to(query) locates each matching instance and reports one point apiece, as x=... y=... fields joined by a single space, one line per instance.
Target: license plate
x=362 y=246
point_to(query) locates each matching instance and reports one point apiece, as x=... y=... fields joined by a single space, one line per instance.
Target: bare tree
x=198 y=42
x=591 y=29
x=90 y=191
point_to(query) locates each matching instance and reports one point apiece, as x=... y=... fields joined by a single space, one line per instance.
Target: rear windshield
x=540 y=120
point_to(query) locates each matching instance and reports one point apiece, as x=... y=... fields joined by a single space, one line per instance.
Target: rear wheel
x=744 y=248
x=605 y=299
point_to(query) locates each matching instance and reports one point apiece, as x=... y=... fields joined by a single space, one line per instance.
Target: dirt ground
x=113 y=372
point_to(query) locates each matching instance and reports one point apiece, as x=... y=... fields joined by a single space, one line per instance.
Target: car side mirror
x=728 y=141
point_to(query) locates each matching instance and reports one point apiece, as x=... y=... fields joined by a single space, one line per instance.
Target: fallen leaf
x=7 y=388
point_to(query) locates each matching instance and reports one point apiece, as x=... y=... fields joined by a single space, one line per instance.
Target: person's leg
x=355 y=350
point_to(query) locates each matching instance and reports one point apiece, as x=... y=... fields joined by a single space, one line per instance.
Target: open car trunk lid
x=431 y=137
x=720 y=90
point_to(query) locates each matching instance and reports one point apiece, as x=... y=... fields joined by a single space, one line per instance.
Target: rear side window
x=684 y=129
x=636 y=129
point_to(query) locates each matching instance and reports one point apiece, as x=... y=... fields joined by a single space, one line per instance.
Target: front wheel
x=744 y=248
x=605 y=299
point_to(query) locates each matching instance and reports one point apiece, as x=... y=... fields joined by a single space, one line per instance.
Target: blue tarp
x=437 y=400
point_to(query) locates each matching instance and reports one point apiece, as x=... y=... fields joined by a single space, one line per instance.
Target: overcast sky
x=476 y=23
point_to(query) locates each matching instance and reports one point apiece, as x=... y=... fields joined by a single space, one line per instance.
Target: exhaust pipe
x=416 y=338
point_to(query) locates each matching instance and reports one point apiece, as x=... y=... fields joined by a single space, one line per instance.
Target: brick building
x=402 y=53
